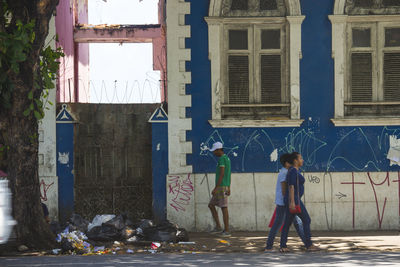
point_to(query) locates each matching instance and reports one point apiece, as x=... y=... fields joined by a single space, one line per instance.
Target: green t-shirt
x=224 y=161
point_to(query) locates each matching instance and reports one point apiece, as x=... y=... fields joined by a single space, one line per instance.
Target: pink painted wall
x=159 y=51
x=82 y=51
x=73 y=80
x=65 y=32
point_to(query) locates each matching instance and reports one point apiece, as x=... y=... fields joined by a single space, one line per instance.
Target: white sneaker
x=225 y=234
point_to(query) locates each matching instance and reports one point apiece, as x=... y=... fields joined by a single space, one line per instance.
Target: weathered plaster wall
x=335 y=201
x=47 y=145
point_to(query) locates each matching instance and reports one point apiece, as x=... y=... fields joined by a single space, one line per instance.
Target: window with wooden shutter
x=374 y=64
x=255 y=73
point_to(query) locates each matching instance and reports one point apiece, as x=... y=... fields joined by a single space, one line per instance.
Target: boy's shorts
x=220 y=199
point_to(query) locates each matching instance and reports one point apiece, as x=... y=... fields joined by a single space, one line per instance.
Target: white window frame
x=342 y=26
x=254 y=52
x=216 y=35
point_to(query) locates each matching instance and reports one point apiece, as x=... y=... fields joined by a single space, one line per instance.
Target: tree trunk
x=22 y=131
x=22 y=139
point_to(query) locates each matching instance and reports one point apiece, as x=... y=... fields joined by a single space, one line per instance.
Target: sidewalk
x=250 y=242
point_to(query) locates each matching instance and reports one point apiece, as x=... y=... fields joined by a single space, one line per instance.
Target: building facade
x=267 y=77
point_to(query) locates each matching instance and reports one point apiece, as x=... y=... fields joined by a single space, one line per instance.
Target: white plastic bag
x=99 y=220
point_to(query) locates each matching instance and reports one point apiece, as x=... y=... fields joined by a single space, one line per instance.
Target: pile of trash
x=80 y=234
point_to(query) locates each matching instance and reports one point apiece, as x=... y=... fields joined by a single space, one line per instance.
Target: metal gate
x=112 y=151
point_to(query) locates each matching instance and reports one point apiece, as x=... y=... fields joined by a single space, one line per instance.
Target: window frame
x=341 y=47
x=254 y=52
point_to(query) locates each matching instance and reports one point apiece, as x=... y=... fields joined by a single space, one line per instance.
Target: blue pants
x=305 y=219
x=279 y=219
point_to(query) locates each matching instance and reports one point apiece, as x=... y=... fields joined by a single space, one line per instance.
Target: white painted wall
x=47 y=146
x=331 y=200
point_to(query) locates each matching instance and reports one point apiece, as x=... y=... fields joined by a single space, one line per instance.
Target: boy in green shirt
x=222 y=188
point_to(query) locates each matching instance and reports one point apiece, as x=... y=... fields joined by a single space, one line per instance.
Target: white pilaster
x=295 y=56
x=339 y=55
x=177 y=54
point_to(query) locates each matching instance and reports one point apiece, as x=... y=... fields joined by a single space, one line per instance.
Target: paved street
x=229 y=259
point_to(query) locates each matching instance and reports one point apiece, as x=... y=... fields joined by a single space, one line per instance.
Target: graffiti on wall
x=259 y=147
x=180 y=191
x=44 y=189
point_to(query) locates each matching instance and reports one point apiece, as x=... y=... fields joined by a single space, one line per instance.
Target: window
x=255 y=72
x=250 y=50
x=366 y=51
x=374 y=62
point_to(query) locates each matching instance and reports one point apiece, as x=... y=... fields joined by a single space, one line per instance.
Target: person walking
x=222 y=189
x=280 y=210
x=293 y=204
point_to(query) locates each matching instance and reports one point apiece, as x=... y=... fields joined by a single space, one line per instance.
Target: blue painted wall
x=65 y=145
x=159 y=154
x=324 y=146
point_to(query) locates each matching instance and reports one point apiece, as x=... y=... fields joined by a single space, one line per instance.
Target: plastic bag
x=117 y=222
x=80 y=223
x=104 y=233
x=99 y=220
x=182 y=235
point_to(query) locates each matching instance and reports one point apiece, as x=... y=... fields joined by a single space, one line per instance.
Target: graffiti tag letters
x=180 y=188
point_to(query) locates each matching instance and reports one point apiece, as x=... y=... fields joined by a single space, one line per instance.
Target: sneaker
x=225 y=234
x=216 y=231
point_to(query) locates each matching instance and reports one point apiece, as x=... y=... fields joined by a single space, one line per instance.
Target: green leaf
x=38 y=116
x=30 y=95
x=31 y=106
x=27 y=112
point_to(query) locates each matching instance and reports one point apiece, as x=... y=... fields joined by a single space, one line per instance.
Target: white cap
x=216 y=145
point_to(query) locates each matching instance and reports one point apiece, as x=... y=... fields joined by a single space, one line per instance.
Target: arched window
x=255 y=48
x=366 y=50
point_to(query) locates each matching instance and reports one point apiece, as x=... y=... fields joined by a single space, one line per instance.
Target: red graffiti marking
x=181 y=188
x=398 y=183
x=373 y=184
x=354 y=203
x=43 y=189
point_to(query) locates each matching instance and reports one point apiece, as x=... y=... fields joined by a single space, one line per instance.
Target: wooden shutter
x=239 y=5
x=271 y=79
x=361 y=77
x=391 y=70
x=238 y=75
x=268 y=5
